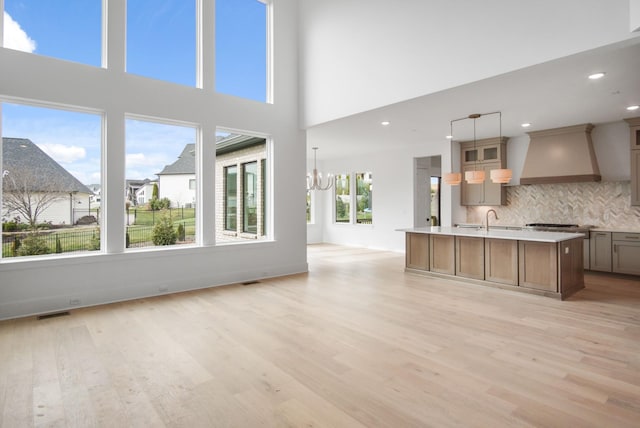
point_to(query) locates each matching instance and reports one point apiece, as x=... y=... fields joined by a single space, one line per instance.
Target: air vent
x=54 y=315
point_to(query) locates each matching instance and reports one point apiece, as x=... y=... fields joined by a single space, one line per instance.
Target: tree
x=26 y=194
x=155 y=194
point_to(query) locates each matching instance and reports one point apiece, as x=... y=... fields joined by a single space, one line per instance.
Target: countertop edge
x=517 y=235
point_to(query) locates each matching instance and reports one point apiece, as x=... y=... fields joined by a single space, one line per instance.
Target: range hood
x=561 y=155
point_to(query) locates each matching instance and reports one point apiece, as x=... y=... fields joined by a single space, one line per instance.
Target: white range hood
x=561 y=155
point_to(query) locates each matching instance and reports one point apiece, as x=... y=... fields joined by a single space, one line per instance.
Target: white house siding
x=176 y=188
x=66 y=210
x=237 y=158
x=144 y=193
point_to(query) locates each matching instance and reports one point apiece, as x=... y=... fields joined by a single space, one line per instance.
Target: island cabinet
x=501 y=261
x=470 y=257
x=417 y=251
x=441 y=254
x=543 y=263
x=538 y=265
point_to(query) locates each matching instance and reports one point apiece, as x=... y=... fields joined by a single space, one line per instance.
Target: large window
x=161 y=40
x=241 y=48
x=241 y=177
x=343 y=198
x=360 y=198
x=51 y=180
x=65 y=29
x=168 y=152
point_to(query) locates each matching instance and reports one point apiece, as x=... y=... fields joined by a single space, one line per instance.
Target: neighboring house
x=27 y=168
x=133 y=188
x=145 y=192
x=240 y=185
x=177 y=181
x=97 y=190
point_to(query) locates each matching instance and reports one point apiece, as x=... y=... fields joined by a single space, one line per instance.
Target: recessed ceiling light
x=596 y=76
x=449 y=137
x=385 y=123
x=525 y=125
x=632 y=108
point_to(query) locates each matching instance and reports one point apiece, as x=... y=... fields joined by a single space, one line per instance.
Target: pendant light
x=502 y=175
x=475 y=176
x=314 y=179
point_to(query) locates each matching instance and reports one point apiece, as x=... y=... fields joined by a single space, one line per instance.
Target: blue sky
x=160 y=44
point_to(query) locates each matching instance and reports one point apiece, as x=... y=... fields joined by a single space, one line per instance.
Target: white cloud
x=15 y=37
x=62 y=153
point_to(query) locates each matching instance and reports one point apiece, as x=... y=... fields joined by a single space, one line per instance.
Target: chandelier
x=314 y=179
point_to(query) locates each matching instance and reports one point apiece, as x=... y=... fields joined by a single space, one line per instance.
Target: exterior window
x=161 y=41
x=343 y=198
x=250 y=203
x=241 y=48
x=364 y=192
x=51 y=171
x=51 y=27
x=231 y=197
x=167 y=151
x=241 y=193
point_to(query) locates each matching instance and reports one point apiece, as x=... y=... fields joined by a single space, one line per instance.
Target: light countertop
x=519 y=235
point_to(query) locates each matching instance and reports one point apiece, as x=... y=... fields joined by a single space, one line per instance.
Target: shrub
x=181 y=232
x=16 y=246
x=156 y=204
x=163 y=232
x=33 y=245
x=9 y=226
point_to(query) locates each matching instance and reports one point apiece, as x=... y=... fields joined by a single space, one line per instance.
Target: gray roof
x=21 y=155
x=186 y=163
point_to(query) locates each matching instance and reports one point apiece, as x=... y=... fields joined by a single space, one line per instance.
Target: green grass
x=144 y=217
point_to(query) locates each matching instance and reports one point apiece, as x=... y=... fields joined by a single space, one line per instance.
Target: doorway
x=426 y=191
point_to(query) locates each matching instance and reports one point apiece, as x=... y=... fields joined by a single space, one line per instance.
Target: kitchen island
x=543 y=263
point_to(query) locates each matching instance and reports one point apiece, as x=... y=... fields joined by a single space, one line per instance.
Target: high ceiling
x=549 y=95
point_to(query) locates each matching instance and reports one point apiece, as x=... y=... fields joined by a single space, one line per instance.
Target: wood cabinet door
x=470 y=257
x=494 y=193
x=600 y=251
x=441 y=254
x=538 y=262
x=501 y=261
x=626 y=257
x=635 y=177
x=417 y=251
x=471 y=194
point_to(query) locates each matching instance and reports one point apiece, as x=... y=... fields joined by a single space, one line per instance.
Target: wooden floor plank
x=355 y=342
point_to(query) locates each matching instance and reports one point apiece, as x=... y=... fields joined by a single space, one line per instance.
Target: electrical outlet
x=74 y=302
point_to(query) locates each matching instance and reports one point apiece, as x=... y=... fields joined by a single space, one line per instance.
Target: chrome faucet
x=494 y=213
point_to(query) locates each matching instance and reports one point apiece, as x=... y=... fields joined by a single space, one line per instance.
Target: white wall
x=44 y=284
x=357 y=56
x=176 y=188
x=393 y=172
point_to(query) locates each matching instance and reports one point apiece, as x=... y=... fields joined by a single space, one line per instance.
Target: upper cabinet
x=634 y=128
x=483 y=155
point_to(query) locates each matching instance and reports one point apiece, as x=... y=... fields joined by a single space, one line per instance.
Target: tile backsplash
x=604 y=204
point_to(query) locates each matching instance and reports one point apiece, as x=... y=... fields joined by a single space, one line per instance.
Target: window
x=231 y=197
x=168 y=152
x=241 y=177
x=343 y=199
x=51 y=171
x=250 y=187
x=161 y=40
x=65 y=29
x=364 y=193
x=241 y=48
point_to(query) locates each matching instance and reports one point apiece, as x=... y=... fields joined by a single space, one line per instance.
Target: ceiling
x=548 y=95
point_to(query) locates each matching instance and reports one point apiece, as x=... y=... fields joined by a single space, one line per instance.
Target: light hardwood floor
x=355 y=343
